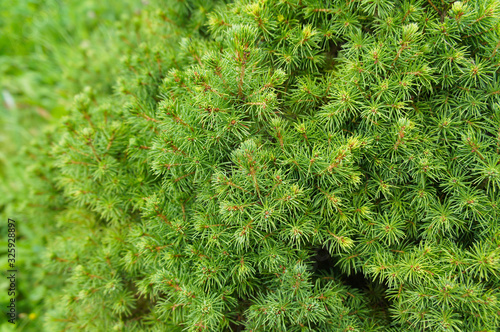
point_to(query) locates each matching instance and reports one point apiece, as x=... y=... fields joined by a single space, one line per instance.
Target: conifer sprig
x=293 y=166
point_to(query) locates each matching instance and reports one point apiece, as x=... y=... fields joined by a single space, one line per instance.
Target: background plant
x=49 y=51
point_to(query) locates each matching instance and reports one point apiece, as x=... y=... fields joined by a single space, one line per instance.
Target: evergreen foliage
x=283 y=165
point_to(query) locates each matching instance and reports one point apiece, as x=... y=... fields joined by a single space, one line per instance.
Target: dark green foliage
x=297 y=166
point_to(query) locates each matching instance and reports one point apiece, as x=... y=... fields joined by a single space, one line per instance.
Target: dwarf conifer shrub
x=291 y=165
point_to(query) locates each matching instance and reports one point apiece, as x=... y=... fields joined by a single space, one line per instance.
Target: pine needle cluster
x=285 y=165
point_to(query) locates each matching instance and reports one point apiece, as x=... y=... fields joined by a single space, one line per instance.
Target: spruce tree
x=286 y=165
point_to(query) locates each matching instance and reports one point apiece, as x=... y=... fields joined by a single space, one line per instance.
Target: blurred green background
x=49 y=51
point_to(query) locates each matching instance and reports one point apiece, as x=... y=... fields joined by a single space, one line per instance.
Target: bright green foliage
x=297 y=166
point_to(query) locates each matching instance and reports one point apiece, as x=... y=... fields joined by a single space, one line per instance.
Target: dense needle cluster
x=281 y=165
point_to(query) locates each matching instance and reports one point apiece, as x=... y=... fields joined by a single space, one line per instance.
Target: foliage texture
x=285 y=165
